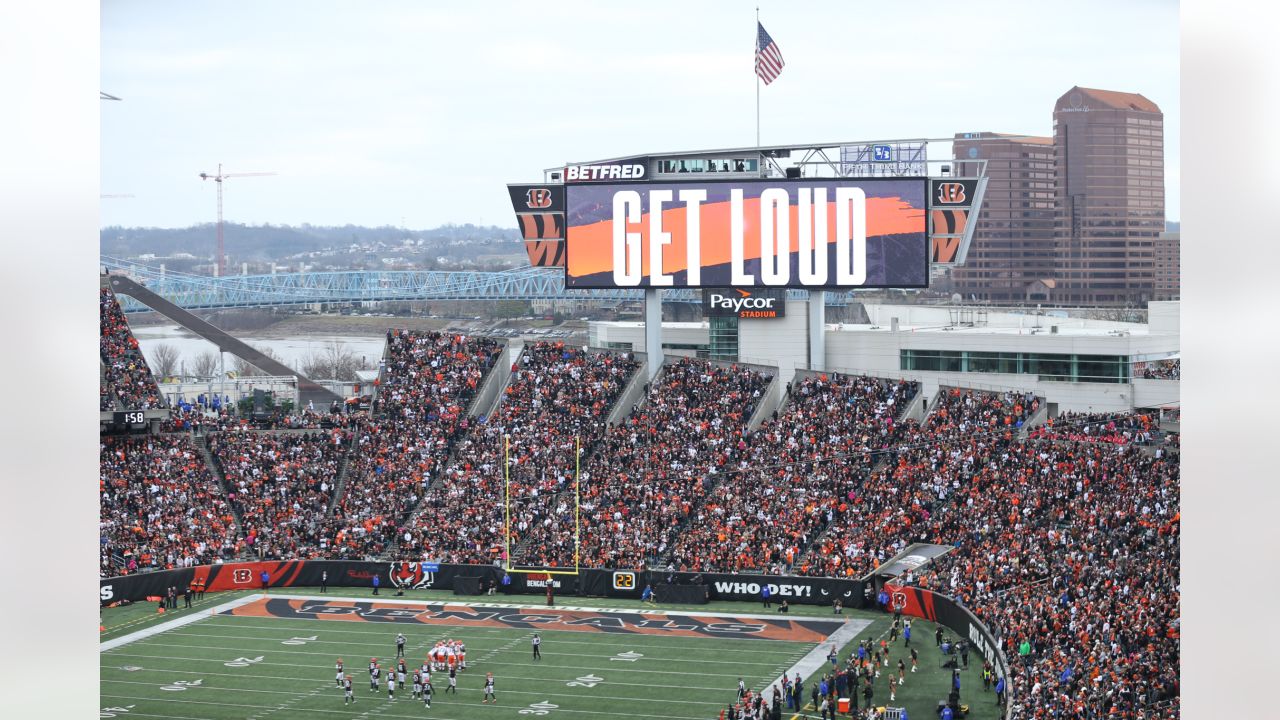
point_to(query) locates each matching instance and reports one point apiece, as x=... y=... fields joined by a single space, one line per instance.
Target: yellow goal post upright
x=577 y=513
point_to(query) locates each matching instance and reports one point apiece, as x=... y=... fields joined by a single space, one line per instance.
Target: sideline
x=817 y=657
x=176 y=623
x=577 y=608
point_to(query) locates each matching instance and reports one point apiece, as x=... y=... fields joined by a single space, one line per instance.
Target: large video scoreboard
x=717 y=223
x=819 y=233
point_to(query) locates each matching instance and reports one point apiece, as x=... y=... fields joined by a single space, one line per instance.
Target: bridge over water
x=201 y=292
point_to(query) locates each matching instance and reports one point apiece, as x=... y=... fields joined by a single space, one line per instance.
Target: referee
x=537 y=644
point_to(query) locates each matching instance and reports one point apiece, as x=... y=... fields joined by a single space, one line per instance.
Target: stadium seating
x=126 y=378
x=430 y=380
x=557 y=395
x=281 y=484
x=795 y=473
x=648 y=472
x=882 y=515
x=160 y=507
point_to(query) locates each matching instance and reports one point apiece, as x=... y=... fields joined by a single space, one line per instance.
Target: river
x=292 y=351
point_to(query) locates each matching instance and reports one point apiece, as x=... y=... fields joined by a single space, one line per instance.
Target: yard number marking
x=111 y=712
x=628 y=656
x=542 y=708
x=589 y=681
x=298 y=640
x=245 y=662
x=180 y=685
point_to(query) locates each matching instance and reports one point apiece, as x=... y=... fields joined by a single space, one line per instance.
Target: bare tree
x=205 y=365
x=335 y=362
x=164 y=360
x=244 y=369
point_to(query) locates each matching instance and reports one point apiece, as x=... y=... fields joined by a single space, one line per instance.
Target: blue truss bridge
x=201 y=292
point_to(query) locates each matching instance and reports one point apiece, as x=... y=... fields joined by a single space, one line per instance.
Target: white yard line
x=175 y=623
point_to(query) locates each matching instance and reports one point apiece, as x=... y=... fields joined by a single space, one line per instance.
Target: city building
x=1109 y=196
x=1012 y=254
x=1168 y=266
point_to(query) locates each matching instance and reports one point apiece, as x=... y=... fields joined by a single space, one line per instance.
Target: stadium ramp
x=308 y=390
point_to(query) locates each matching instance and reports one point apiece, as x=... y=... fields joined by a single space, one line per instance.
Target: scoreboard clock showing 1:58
x=129 y=417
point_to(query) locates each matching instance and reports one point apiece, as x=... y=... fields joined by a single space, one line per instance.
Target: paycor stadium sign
x=744 y=304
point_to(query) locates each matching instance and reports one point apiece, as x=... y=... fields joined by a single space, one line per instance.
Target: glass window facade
x=724 y=338
x=1049 y=366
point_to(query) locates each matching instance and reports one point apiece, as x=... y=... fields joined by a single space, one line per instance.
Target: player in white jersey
x=462 y=654
x=375 y=674
x=340 y=677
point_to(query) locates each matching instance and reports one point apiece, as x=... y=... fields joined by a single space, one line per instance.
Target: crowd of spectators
x=281 y=484
x=1163 y=370
x=126 y=379
x=1069 y=553
x=160 y=507
x=1115 y=428
x=879 y=517
x=796 y=474
x=558 y=396
x=649 y=471
x=429 y=381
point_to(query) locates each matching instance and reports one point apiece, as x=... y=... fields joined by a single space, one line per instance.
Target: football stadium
x=917 y=511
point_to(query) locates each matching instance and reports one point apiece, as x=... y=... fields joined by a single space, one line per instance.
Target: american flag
x=768 y=58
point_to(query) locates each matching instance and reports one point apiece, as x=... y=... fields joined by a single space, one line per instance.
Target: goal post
x=507 y=564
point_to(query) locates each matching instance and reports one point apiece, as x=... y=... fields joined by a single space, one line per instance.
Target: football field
x=243 y=655
x=275 y=658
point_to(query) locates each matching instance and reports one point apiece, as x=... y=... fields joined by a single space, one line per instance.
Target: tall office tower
x=1109 y=196
x=1168 y=266
x=1011 y=259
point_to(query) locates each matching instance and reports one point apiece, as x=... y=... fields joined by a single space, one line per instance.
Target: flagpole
x=757 y=59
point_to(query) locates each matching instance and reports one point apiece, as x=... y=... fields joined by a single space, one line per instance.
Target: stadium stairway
x=882 y=459
x=344 y=464
x=1039 y=417
x=201 y=444
x=633 y=395
x=495 y=383
x=758 y=417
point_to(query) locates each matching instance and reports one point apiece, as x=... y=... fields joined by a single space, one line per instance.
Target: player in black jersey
x=453 y=680
x=426 y=693
x=346 y=685
x=374 y=673
x=488 y=689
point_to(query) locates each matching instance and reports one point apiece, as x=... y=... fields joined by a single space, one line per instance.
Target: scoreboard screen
x=787 y=233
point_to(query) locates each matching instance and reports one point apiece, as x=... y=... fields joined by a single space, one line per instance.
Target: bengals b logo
x=951 y=193
x=538 y=198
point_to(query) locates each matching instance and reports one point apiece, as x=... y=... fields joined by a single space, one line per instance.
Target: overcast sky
x=415 y=113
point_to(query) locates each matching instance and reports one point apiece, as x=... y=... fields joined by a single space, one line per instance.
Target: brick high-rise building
x=1013 y=244
x=1109 y=196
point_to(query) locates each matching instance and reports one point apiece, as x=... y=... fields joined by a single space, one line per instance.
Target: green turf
x=925 y=687
x=677 y=678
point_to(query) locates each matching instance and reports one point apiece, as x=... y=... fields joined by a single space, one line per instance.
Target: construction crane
x=220 y=266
